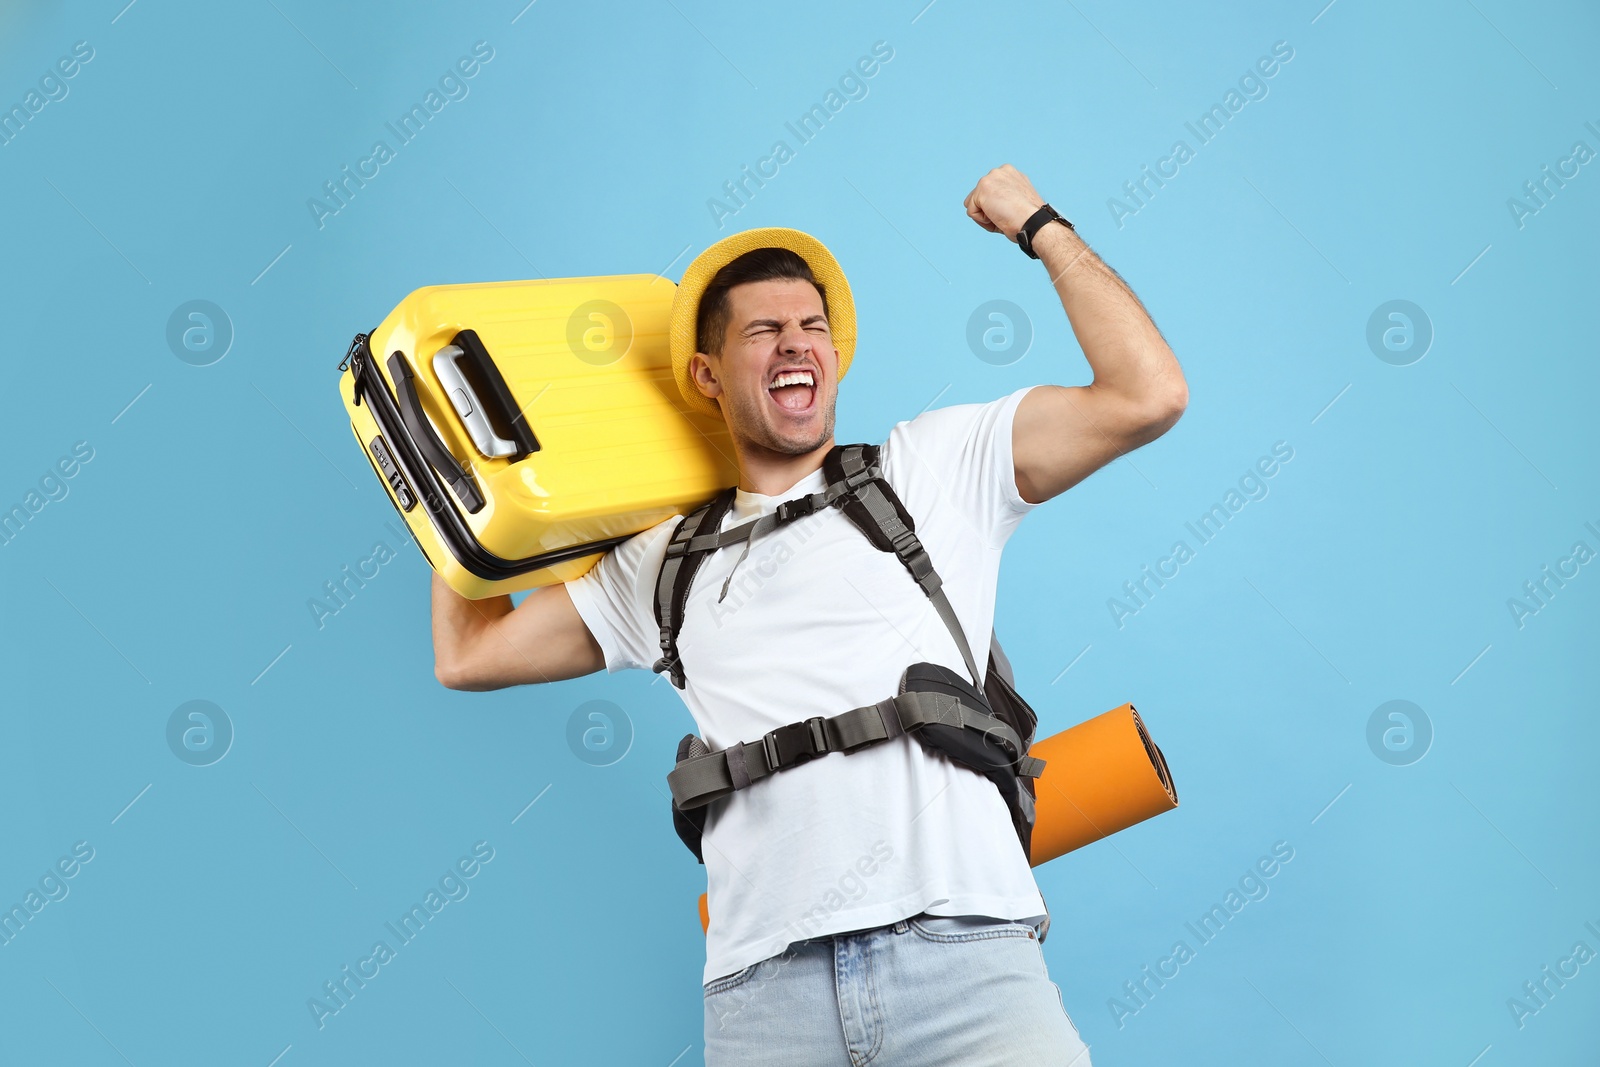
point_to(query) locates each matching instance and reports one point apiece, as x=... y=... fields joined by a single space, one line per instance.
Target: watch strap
x=1036 y=222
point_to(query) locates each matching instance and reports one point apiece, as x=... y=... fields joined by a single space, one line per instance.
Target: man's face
x=776 y=333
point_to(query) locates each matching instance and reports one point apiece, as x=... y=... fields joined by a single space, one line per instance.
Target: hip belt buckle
x=794 y=744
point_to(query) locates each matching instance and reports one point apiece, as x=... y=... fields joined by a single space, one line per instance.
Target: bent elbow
x=1178 y=404
x=1153 y=416
x=446 y=675
x=1165 y=413
x=453 y=675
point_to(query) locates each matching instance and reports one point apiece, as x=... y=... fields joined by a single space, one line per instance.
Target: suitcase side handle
x=422 y=435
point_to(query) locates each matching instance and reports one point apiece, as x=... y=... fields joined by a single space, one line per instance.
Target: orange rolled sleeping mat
x=1101 y=776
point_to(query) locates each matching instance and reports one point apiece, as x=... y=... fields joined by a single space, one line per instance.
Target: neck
x=770 y=473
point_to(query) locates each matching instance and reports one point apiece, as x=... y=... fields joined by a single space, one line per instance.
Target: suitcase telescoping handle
x=421 y=430
x=469 y=405
x=482 y=399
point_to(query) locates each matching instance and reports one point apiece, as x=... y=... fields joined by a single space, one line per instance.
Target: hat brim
x=686 y=300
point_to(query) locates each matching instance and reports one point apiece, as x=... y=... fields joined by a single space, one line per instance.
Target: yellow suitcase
x=523 y=428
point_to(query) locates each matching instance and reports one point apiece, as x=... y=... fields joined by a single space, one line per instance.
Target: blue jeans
x=965 y=989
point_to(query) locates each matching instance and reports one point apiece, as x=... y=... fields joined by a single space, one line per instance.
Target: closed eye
x=761 y=326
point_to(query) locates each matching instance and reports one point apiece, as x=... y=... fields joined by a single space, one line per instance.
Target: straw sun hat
x=686 y=300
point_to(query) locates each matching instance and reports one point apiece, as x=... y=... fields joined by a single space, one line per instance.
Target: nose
x=794 y=341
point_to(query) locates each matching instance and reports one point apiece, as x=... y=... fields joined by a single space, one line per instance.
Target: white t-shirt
x=816 y=622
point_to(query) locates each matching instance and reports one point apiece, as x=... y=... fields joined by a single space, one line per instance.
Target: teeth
x=800 y=377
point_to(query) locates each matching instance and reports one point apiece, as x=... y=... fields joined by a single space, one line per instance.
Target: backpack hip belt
x=701 y=778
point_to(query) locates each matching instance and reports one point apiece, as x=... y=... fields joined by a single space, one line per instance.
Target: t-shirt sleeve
x=965 y=450
x=616 y=598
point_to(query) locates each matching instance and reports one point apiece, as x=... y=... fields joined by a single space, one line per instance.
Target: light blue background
x=1379 y=567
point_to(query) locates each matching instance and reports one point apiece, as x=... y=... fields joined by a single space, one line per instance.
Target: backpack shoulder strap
x=875 y=509
x=677 y=575
x=999 y=663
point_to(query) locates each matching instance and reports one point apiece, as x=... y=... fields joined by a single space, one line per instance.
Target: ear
x=705 y=378
x=835 y=350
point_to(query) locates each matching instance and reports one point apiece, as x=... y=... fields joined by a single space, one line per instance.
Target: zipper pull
x=353 y=360
x=356 y=344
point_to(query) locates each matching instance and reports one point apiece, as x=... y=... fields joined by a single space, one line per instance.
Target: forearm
x=488 y=644
x=1124 y=348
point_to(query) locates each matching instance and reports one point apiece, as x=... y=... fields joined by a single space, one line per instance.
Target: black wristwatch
x=1035 y=223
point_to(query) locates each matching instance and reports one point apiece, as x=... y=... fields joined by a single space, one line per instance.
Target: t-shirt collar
x=749 y=505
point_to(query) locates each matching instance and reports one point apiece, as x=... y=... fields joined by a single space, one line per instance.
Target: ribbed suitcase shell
x=618 y=450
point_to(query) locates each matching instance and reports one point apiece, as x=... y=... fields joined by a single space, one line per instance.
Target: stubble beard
x=755 y=431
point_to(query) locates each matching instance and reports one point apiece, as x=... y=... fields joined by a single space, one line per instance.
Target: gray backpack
x=987 y=729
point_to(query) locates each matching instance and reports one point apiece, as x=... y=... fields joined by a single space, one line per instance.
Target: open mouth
x=794 y=390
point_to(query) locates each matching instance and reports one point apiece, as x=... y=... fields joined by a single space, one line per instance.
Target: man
x=871 y=904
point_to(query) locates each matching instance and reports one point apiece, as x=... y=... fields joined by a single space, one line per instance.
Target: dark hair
x=757 y=265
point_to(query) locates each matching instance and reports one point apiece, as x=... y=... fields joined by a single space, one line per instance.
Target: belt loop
x=891 y=717
x=737 y=771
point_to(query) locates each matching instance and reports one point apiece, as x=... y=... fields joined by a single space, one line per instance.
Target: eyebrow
x=808 y=320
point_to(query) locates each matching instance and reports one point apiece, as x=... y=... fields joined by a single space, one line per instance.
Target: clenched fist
x=1003 y=200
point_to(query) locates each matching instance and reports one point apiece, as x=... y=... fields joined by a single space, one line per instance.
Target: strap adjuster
x=920 y=564
x=865 y=474
x=819 y=735
x=905 y=540
x=672 y=667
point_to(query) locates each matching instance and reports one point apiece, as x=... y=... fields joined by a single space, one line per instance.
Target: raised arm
x=489 y=644
x=1063 y=434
